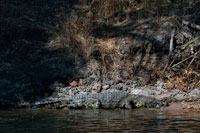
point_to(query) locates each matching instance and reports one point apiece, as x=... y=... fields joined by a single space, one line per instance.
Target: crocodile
x=106 y=100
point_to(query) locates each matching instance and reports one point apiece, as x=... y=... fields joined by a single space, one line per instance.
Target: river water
x=63 y=121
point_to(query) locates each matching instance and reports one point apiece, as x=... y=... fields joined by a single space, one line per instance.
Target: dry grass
x=95 y=31
x=103 y=26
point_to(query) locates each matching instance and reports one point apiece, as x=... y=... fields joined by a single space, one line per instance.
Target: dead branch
x=195 y=55
x=171 y=42
x=183 y=61
x=188 y=43
x=195 y=26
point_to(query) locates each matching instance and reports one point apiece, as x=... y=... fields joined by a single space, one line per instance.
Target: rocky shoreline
x=175 y=98
x=186 y=100
x=78 y=52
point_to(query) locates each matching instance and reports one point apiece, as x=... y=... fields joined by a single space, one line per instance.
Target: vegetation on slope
x=43 y=41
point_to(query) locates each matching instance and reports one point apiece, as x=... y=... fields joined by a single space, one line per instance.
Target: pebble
x=73 y=84
x=169 y=85
x=82 y=81
x=119 y=86
x=108 y=82
x=97 y=87
x=196 y=91
x=105 y=87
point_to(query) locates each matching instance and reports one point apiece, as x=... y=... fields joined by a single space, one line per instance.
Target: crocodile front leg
x=126 y=103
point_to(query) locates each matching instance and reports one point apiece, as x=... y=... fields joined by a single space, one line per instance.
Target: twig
x=183 y=61
x=171 y=42
x=188 y=43
x=170 y=49
x=168 y=65
x=195 y=55
x=191 y=24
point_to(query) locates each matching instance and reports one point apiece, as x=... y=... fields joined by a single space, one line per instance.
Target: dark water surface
x=59 y=121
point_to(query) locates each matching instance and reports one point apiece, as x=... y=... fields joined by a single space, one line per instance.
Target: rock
x=169 y=85
x=108 y=82
x=94 y=77
x=128 y=83
x=117 y=76
x=82 y=88
x=82 y=81
x=196 y=91
x=125 y=88
x=113 y=90
x=88 y=88
x=97 y=87
x=140 y=92
x=64 y=89
x=73 y=84
x=105 y=87
x=79 y=89
x=70 y=92
x=160 y=85
x=119 y=86
x=180 y=97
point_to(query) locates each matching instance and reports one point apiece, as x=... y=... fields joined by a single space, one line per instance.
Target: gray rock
x=119 y=86
x=82 y=81
x=117 y=76
x=93 y=76
x=108 y=82
x=196 y=91
x=105 y=87
x=71 y=92
x=125 y=88
x=97 y=87
x=180 y=96
x=82 y=88
x=160 y=85
x=129 y=82
x=139 y=92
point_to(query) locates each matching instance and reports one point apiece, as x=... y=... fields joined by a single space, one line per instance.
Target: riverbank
x=159 y=97
x=85 y=46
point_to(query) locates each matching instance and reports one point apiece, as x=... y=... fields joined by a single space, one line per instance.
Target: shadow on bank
x=29 y=60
